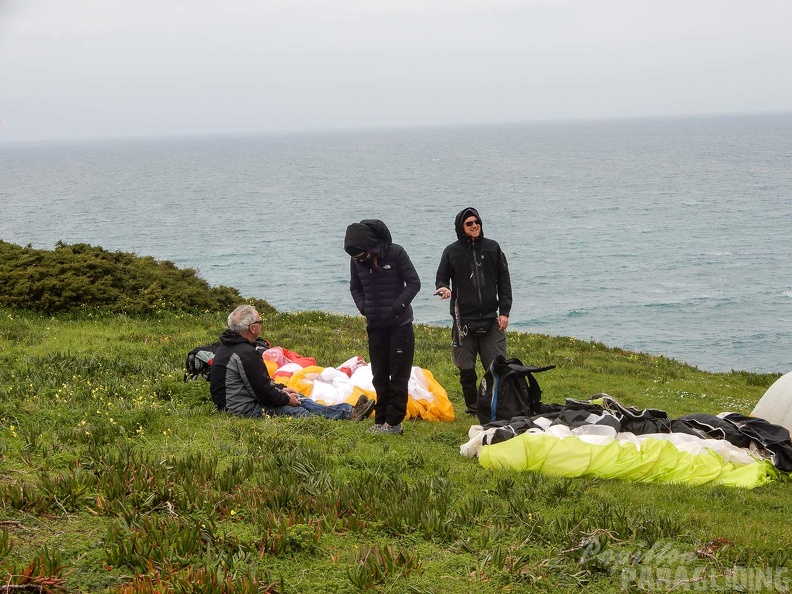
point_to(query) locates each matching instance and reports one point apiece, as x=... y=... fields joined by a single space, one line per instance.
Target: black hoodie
x=384 y=284
x=477 y=273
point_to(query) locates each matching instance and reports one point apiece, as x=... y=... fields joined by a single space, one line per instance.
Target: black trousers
x=391 y=352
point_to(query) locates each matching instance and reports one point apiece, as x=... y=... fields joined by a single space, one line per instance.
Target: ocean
x=667 y=236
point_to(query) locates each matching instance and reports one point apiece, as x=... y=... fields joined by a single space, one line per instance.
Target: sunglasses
x=256 y=322
x=472 y=223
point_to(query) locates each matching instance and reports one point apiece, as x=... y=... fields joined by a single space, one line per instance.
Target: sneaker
x=374 y=429
x=362 y=409
x=391 y=429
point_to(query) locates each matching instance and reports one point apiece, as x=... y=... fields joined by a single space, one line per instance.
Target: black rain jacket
x=477 y=273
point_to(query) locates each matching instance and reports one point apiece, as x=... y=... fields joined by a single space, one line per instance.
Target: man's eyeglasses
x=471 y=223
x=256 y=322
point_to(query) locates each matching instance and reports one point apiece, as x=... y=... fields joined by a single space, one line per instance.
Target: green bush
x=82 y=276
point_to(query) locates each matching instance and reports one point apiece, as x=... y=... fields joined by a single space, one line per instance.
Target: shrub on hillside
x=80 y=275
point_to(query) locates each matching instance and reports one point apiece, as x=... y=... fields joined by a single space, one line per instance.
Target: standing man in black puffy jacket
x=383 y=283
x=474 y=274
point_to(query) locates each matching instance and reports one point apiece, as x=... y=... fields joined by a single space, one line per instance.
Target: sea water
x=668 y=236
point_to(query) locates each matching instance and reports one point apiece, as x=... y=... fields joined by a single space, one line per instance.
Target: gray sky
x=106 y=68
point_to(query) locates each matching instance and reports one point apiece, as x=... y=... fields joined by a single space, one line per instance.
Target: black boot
x=469 y=382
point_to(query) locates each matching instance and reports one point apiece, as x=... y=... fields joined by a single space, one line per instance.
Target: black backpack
x=508 y=389
x=199 y=361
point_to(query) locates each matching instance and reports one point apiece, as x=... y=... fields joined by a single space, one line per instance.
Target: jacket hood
x=459 y=222
x=231 y=337
x=369 y=235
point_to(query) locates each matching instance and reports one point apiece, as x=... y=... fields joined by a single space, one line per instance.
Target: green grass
x=116 y=476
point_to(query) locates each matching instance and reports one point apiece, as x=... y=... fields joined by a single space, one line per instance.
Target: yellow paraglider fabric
x=304 y=380
x=432 y=407
x=655 y=460
x=427 y=399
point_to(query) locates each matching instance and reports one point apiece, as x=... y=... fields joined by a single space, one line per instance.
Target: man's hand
x=443 y=292
x=294 y=396
x=503 y=322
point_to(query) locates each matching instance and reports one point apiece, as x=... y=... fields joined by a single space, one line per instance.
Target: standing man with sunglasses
x=474 y=274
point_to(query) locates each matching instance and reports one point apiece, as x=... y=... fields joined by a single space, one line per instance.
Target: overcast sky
x=107 y=68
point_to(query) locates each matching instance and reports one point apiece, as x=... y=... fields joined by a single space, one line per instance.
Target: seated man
x=241 y=385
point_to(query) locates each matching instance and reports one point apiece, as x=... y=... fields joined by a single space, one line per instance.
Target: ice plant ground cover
x=117 y=476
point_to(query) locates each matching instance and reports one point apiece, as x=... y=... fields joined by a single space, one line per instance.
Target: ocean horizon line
x=333 y=130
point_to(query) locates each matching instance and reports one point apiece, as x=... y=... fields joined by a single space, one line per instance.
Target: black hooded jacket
x=477 y=273
x=384 y=285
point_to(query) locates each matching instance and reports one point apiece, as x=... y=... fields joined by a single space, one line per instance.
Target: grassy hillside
x=116 y=476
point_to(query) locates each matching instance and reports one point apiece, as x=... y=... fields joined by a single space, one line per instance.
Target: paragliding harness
x=475 y=328
x=509 y=389
x=199 y=360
